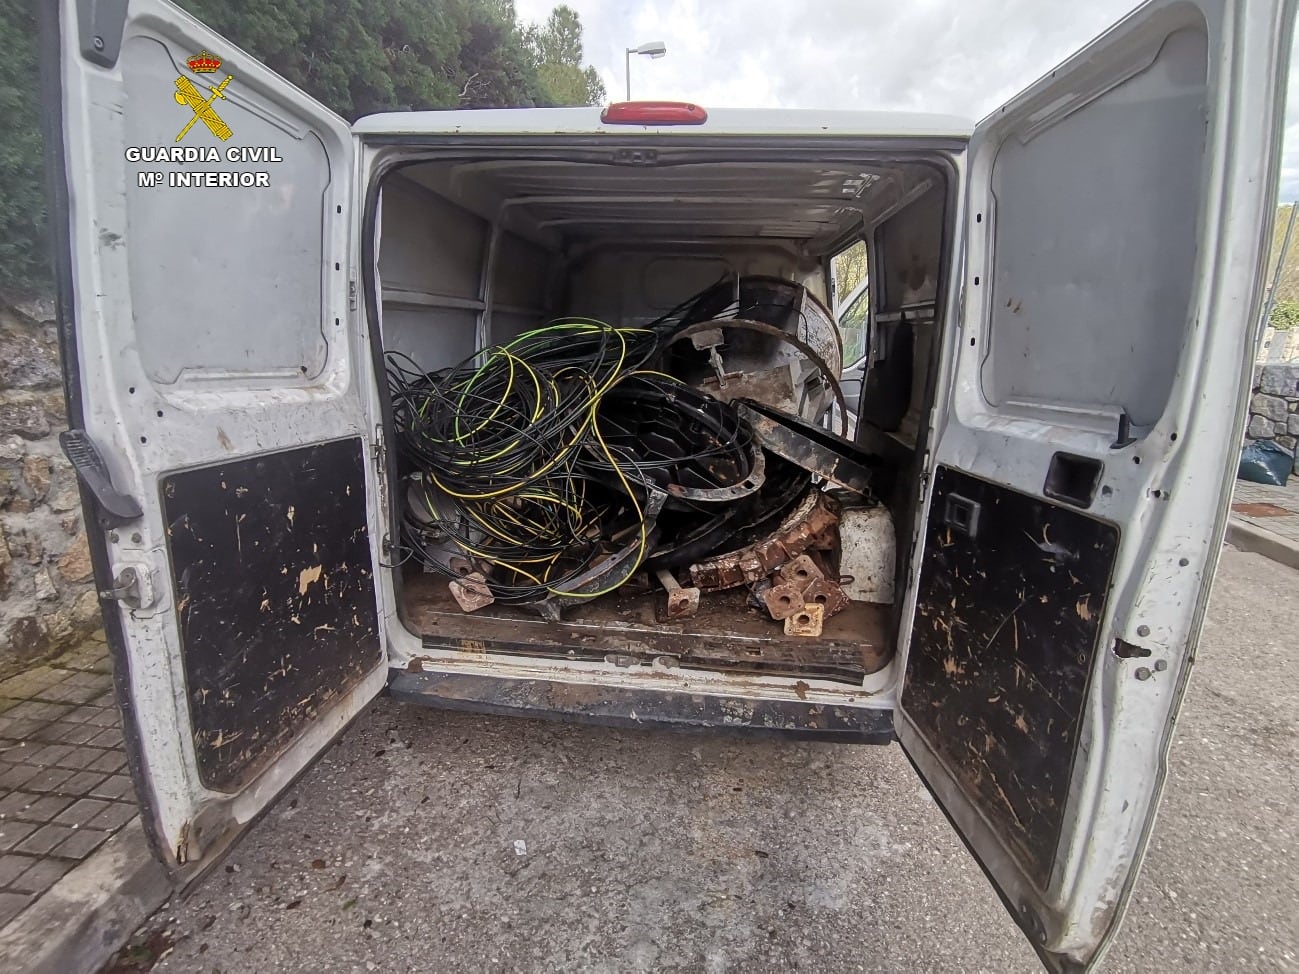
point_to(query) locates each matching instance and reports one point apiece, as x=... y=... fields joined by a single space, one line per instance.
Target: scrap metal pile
x=549 y=470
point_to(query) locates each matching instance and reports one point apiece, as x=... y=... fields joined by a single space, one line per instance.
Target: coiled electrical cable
x=506 y=461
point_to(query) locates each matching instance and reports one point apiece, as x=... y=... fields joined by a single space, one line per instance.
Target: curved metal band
x=764 y=329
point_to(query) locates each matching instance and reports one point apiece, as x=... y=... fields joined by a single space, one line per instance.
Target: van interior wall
x=431 y=258
x=437 y=311
x=908 y=262
x=626 y=283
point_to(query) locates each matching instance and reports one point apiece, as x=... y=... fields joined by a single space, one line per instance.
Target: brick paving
x=64 y=786
x=1274 y=509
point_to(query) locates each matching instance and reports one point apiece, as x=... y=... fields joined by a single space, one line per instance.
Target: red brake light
x=653 y=113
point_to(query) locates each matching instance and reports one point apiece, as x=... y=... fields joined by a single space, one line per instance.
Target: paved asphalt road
x=660 y=852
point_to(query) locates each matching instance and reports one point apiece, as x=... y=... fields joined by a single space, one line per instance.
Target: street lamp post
x=655 y=49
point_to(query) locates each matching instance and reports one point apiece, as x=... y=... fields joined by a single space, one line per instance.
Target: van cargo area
x=475 y=251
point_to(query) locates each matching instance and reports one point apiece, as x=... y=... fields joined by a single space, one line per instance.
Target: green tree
x=557 y=48
x=496 y=66
x=24 y=264
x=365 y=56
x=356 y=56
x=848 y=268
x=559 y=41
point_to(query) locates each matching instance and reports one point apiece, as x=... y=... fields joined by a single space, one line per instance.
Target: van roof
x=721 y=121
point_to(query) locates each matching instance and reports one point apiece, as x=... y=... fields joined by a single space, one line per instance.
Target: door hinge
x=114 y=508
x=351 y=295
x=381 y=472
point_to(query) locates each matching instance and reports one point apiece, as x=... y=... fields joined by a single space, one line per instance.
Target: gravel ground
x=427 y=841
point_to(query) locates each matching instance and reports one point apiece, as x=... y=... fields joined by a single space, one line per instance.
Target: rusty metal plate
x=471 y=591
x=826 y=594
x=801 y=572
x=828 y=374
x=819 y=451
x=775 y=387
x=724 y=635
x=807 y=621
x=683 y=603
x=782 y=601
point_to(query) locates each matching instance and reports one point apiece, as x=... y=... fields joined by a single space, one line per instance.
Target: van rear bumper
x=649 y=709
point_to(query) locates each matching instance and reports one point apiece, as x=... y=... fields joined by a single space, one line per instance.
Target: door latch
x=114 y=507
x=132 y=586
x=636 y=157
x=126 y=589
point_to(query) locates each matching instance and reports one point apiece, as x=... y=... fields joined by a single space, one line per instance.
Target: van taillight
x=653 y=113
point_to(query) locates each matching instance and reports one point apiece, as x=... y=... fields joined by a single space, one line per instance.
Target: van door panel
x=277 y=617
x=216 y=268
x=211 y=355
x=1106 y=335
x=1095 y=372
x=1012 y=590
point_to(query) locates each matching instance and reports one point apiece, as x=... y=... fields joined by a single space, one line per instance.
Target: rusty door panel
x=1012 y=590
x=275 y=598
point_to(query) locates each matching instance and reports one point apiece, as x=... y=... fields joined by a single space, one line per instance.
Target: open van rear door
x=1086 y=438
x=219 y=397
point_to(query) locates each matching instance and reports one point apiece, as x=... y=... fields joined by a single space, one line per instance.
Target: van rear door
x=1085 y=442
x=219 y=396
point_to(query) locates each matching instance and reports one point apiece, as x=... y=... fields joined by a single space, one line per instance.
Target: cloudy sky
x=959 y=56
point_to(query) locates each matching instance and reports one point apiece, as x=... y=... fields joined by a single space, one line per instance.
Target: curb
x=83 y=919
x=1249 y=537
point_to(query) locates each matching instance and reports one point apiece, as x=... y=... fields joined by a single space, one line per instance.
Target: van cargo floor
x=725 y=634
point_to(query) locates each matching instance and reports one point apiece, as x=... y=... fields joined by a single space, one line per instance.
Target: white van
x=1063 y=318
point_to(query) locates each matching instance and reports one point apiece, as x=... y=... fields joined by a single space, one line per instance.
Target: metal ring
x=765 y=329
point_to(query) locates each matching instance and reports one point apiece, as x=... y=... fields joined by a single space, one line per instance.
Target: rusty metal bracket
x=716 y=495
x=803 y=582
x=826 y=594
x=783 y=601
x=682 y=602
x=807 y=621
x=809 y=524
x=812 y=448
x=801 y=572
x=471 y=592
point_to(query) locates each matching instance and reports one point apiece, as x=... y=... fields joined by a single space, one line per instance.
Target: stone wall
x=1274 y=407
x=47 y=599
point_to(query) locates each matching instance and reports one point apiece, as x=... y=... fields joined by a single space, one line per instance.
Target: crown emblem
x=204 y=63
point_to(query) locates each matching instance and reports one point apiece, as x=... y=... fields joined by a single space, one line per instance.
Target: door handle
x=961 y=514
x=115 y=508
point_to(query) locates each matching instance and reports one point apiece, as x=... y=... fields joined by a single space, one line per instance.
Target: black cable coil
x=534 y=458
